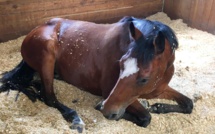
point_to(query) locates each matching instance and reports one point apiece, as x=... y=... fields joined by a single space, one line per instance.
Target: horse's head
x=140 y=67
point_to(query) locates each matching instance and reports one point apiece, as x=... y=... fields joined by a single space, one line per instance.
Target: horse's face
x=135 y=79
x=132 y=82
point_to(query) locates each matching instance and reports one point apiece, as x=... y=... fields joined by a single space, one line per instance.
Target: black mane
x=150 y=29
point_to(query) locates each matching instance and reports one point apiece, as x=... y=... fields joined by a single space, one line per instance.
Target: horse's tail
x=18 y=78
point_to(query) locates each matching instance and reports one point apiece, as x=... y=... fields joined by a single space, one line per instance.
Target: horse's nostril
x=112 y=116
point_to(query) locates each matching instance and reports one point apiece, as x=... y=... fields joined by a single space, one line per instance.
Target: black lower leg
x=69 y=114
x=185 y=106
x=165 y=108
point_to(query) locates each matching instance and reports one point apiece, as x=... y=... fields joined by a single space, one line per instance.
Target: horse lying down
x=130 y=59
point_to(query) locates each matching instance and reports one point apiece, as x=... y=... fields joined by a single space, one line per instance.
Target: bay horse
x=130 y=59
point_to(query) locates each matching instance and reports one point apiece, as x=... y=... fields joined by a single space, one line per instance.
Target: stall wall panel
x=199 y=14
x=18 y=17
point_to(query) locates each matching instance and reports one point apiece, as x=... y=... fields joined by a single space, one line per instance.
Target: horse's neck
x=116 y=38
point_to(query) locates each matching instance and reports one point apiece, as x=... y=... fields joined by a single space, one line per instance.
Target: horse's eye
x=142 y=81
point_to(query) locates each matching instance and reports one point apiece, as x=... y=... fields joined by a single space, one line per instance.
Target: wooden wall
x=18 y=17
x=199 y=14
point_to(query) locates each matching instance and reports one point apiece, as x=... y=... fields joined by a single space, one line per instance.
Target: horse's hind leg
x=46 y=72
x=185 y=104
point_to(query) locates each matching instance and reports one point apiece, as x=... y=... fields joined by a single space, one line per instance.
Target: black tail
x=18 y=78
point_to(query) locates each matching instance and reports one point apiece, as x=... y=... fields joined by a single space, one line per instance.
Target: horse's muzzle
x=110 y=114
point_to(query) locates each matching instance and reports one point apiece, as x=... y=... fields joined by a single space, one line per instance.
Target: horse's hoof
x=78 y=124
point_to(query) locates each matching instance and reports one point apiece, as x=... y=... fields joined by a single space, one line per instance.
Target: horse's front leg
x=137 y=114
x=185 y=104
x=46 y=71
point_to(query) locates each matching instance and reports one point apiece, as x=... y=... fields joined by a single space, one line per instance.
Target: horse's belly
x=80 y=74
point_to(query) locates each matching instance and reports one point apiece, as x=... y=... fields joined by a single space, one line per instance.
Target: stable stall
x=194 y=24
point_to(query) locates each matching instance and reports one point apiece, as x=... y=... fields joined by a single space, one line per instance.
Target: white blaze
x=130 y=67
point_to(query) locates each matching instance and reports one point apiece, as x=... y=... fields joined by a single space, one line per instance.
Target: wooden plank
x=211 y=20
x=199 y=14
x=178 y=9
x=185 y=10
x=168 y=7
x=37 y=14
x=18 y=17
x=17 y=7
x=66 y=13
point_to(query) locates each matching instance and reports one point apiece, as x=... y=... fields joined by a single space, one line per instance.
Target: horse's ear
x=135 y=33
x=159 y=43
